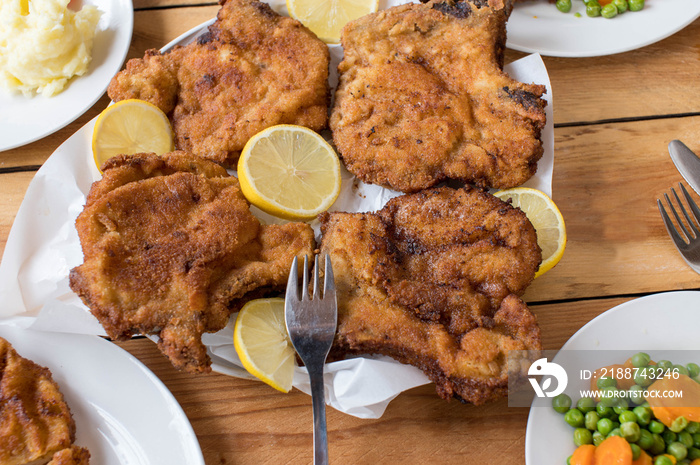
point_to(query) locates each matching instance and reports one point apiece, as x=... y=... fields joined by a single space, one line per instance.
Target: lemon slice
x=290 y=172
x=547 y=220
x=128 y=127
x=261 y=342
x=327 y=18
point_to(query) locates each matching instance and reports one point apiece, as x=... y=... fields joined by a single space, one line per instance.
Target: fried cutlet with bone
x=423 y=98
x=36 y=425
x=433 y=280
x=251 y=70
x=170 y=248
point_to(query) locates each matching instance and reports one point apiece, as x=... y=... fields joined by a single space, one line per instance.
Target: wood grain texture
x=244 y=421
x=659 y=79
x=606 y=182
x=613 y=116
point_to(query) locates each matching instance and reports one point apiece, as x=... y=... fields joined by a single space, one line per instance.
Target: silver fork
x=311 y=324
x=686 y=238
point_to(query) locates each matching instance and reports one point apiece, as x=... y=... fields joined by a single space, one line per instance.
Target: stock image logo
x=549 y=371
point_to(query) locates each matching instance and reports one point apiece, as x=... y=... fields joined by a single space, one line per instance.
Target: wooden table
x=613 y=118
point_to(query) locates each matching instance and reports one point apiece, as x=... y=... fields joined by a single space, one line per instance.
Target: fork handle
x=318 y=400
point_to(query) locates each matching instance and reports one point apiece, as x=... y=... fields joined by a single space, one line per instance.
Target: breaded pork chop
x=433 y=280
x=251 y=70
x=423 y=98
x=170 y=248
x=36 y=424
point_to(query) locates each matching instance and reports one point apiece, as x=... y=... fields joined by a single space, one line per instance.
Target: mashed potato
x=42 y=50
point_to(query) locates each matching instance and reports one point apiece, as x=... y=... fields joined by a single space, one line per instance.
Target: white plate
x=539 y=27
x=123 y=412
x=658 y=322
x=24 y=120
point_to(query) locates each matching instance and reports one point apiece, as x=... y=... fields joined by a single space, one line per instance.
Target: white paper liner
x=43 y=246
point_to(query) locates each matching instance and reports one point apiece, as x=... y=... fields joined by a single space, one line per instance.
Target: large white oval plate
x=123 y=412
x=658 y=322
x=24 y=120
x=538 y=27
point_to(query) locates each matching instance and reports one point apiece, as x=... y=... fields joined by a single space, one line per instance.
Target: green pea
x=669 y=436
x=586 y=404
x=693 y=453
x=604 y=411
x=678 y=450
x=628 y=416
x=693 y=369
x=696 y=440
x=615 y=432
x=685 y=438
x=591 y=422
x=662 y=460
x=568 y=460
x=609 y=11
x=636 y=394
x=620 y=406
x=640 y=359
x=644 y=377
x=608 y=396
x=593 y=9
x=636 y=451
x=606 y=381
x=658 y=446
x=630 y=431
x=574 y=417
x=582 y=436
x=646 y=440
x=621 y=5
x=564 y=5
x=636 y=5
x=679 y=424
x=680 y=369
x=656 y=427
x=597 y=438
x=561 y=403
x=605 y=425
x=693 y=427
x=643 y=415
x=665 y=365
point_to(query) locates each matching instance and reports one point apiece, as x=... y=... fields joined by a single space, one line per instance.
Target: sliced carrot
x=667 y=409
x=614 y=450
x=583 y=455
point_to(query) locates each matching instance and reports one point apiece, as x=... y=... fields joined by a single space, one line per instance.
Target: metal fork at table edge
x=315 y=370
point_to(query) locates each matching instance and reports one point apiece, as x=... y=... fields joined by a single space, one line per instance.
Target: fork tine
x=680 y=223
x=305 y=280
x=677 y=239
x=316 y=294
x=328 y=281
x=693 y=208
x=292 y=294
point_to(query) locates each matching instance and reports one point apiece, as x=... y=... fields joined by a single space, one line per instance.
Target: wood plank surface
x=613 y=116
x=659 y=79
x=244 y=421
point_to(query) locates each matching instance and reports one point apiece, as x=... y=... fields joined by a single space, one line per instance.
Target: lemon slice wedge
x=547 y=220
x=327 y=18
x=289 y=171
x=262 y=344
x=128 y=127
